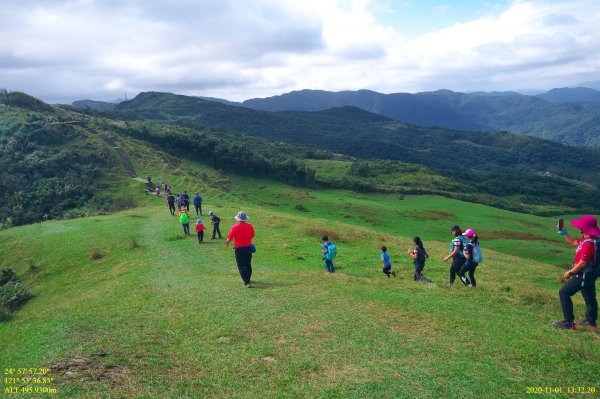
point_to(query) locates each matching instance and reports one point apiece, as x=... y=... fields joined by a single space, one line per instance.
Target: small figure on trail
x=473 y=258
x=167 y=188
x=329 y=254
x=457 y=247
x=419 y=254
x=185 y=199
x=242 y=235
x=583 y=274
x=184 y=219
x=157 y=191
x=149 y=179
x=387 y=263
x=171 y=202
x=215 y=221
x=179 y=201
x=200 y=231
x=198 y=203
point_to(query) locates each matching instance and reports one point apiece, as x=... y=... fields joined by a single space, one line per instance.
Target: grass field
x=125 y=306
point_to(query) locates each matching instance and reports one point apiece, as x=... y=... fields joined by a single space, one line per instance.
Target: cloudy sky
x=61 y=51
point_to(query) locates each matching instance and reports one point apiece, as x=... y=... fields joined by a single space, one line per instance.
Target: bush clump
x=13 y=294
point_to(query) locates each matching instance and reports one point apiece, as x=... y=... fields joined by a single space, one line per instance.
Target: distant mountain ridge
x=562 y=119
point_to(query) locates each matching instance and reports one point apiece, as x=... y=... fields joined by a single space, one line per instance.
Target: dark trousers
x=418 y=274
x=586 y=283
x=457 y=263
x=329 y=266
x=216 y=230
x=468 y=266
x=386 y=270
x=172 y=208
x=198 y=208
x=186 y=228
x=201 y=236
x=243 y=257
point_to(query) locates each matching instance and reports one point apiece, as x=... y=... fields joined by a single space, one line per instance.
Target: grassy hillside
x=126 y=306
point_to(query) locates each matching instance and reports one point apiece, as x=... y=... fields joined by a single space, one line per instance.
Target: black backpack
x=594 y=266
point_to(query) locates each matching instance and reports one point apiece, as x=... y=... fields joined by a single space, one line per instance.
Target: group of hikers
x=465 y=253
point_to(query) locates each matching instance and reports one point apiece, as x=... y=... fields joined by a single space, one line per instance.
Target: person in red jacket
x=200 y=231
x=582 y=276
x=242 y=234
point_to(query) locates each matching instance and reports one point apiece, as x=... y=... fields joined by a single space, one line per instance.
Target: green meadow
x=126 y=306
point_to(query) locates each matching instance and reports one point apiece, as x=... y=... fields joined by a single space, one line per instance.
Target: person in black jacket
x=215 y=221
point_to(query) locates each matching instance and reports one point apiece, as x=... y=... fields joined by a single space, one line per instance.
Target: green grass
x=169 y=318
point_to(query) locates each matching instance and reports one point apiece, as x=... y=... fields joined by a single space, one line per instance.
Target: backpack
x=183 y=218
x=595 y=265
x=331 y=252
x=477 y=254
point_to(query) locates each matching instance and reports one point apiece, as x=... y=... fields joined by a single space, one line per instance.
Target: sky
x=61 y=51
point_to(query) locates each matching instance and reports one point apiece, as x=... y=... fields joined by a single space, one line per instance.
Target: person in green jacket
x=185 y=221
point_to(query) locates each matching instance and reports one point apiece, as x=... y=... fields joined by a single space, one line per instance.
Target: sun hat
x=241 y=217
x=587 y=224
x=469 y=233
x=199 y=221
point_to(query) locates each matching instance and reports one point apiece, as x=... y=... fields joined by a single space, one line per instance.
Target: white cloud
x=65 y=50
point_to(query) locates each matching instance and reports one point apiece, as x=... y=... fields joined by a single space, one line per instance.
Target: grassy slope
x=173 y=319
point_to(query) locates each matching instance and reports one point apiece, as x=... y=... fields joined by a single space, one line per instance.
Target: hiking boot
x=586 y=324
x=247 y=285
x=564 y=325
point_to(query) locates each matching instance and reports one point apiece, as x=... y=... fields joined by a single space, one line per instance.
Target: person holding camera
x=582 y=275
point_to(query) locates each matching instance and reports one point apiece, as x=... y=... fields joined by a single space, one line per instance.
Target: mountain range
x=565 y=115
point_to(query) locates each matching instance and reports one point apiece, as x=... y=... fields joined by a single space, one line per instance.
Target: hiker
x=470 y=263
x=171 y=202
x=167 y=188
x=242 y=234
x=200 y=231
x=329 y=253
x=198 y=203
x=387 y=263
x=179 y=201
x=419 y=254
x=583 y=274
x=457 y=247
x=149 y=179
x=184 y=219
x=185 y=199
x=215 y=221
x=157 y=191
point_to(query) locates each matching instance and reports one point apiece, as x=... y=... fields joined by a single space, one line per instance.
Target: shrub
x=7 y=275
x=13 y=295
x=4 y=314
x=96 y=255
x=301 y=208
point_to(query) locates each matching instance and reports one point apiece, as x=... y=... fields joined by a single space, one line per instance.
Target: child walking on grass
x=200 y=231
x=387 y=263
x=419 y=254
